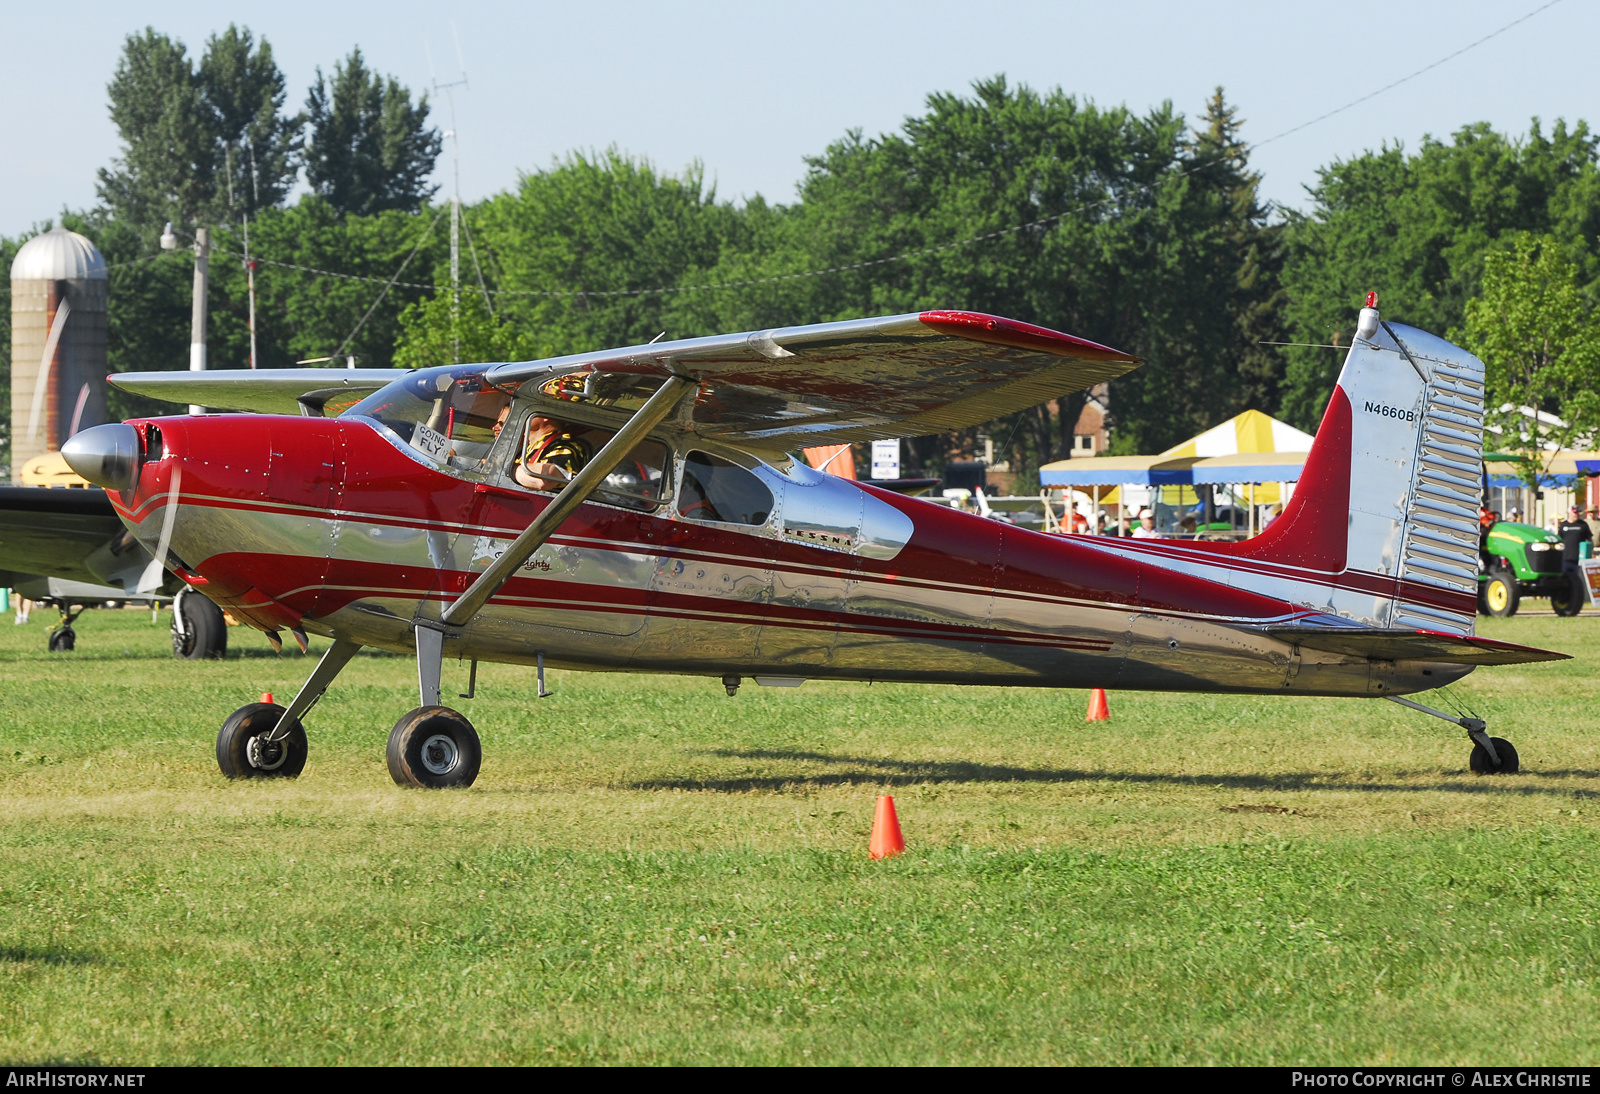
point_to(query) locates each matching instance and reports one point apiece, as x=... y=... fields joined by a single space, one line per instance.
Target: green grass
x=650 y=872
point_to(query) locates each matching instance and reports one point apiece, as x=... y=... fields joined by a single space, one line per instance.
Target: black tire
x=206 y=636
x=63 y=640
x=434 y=748
x=1500 y=594
x=284 y=759
x=1569 y=601
x=1482 y=765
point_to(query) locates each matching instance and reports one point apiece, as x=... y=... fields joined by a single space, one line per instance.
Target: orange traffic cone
x=1098 y=710
x=886 y=837
x=266 y=697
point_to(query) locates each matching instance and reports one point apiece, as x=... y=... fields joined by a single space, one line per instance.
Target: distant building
x=1092 y=435
x=58 y=342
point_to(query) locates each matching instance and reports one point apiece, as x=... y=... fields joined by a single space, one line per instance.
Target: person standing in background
x=1574 y=535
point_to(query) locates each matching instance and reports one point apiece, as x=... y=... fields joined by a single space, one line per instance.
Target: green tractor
x=1520 y=560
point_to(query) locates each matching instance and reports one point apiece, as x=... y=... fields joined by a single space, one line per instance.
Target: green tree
x=171 y=157
x=1541 y=351
x=245 y=92
x=199 y=143
x=370 y=149
x=578 y=248
x=322 y=289
x=1053 y=210
x=438 y=330
x=1417 y=227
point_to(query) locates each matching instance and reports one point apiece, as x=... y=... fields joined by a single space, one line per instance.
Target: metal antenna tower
x=455 y=195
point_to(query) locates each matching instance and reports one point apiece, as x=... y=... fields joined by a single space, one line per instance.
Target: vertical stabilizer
x=1383 y=523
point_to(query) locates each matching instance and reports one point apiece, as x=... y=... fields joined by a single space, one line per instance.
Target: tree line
x=1147 y=231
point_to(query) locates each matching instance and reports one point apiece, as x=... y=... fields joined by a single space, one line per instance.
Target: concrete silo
x=58 y=342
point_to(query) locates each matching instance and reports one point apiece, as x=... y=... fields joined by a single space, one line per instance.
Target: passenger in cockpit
x=552 y=452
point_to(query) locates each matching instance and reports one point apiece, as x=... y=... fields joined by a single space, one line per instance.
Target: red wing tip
x=978 y=327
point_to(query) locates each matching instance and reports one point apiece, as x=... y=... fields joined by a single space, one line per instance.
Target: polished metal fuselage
x=334 y=526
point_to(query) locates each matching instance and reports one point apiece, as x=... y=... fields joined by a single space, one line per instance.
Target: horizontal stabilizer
x=1388 y=645
x=314 y=391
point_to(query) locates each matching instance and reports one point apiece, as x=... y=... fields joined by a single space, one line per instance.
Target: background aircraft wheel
x=1482 y=765
x=206 y=632
x=1500 y=594
x=241 y=756
x=434 y=747
x=63 y=640
x=1569 y=601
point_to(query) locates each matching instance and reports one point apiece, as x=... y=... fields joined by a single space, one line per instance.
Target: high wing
x=69 y=533
x=827 y=383
x=831 y=383
x=1386 y=645
x=313 y=391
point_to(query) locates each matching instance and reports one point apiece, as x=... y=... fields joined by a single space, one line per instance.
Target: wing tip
x=981 y=327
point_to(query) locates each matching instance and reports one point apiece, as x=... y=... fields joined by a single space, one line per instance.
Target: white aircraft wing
x=314 y=391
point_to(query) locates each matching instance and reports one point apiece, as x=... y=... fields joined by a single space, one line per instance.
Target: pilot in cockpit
x=552 y=452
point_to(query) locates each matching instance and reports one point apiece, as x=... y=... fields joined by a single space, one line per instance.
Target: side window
x=715 y=489
x=554 y=451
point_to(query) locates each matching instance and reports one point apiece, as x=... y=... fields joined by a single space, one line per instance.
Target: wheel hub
x=266 y=755
x=1498 y=595
x=439 y=754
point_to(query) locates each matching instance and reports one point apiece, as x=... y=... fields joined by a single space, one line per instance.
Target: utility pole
x=249 y=263
x=197 y=320
x=197 y=315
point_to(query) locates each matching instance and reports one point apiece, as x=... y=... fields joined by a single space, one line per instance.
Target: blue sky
x=749 y=89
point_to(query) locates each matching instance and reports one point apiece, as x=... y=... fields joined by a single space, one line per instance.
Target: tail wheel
x=243 y=752
x=1569 y=601
x=63 y=640
x=434 y=748
x=205 y=632
x=1500 y=596
x=1481 y=764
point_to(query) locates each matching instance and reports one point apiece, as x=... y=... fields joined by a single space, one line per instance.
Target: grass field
x=650 y=872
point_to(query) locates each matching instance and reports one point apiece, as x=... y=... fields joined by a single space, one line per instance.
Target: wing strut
x=430 y=634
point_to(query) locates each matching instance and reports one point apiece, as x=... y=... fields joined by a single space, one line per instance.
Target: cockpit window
x=451 y=416
x=717 y=489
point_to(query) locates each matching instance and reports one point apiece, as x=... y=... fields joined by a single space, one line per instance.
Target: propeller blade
x=150 y=580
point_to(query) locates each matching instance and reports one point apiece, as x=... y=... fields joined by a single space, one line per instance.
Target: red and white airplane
x=638 y=510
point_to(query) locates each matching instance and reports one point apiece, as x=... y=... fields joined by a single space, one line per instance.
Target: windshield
x=450 y=415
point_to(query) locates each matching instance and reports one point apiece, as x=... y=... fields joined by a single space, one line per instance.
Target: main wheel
x=1569 y=601
x=1482 y=765
x=205 y=634
x=63 y=640
x=434 y=747
x=242 y=753
x=1500 y=595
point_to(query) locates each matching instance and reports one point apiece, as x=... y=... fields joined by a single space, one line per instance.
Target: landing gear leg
x=1490 y=755
x=433 y=746
x=264 y=740
x=64 y=639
